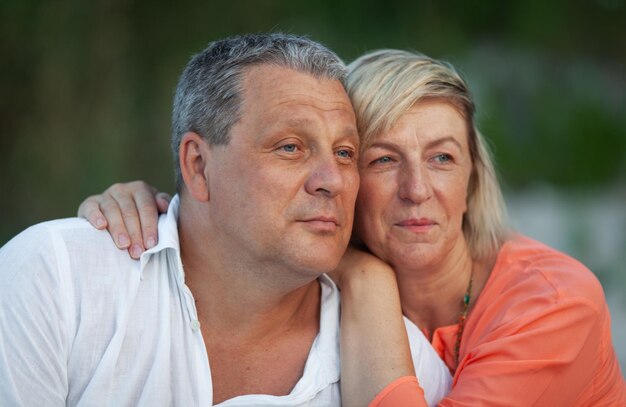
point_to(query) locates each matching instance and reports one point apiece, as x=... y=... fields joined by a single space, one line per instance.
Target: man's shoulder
x=46 y=238
x=54 y=247
x=45 y=232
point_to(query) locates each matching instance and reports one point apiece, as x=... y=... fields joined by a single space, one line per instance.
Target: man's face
x=282 y=191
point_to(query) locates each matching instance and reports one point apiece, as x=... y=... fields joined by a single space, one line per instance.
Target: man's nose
x=327 y=176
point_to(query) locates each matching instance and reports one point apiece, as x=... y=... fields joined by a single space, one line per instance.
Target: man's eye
x=344 y=153
x=289 y=148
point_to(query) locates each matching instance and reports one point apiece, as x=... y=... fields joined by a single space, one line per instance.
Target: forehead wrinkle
x=329 y=94
x=310 y=108
x=300 y=108
x=326 y=105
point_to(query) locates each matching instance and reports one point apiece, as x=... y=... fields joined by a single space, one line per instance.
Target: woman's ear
x=193 y=156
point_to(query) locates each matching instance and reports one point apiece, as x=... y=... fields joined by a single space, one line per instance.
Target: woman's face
x=413 y=192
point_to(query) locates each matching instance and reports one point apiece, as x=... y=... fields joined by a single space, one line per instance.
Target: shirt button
x=195 y=324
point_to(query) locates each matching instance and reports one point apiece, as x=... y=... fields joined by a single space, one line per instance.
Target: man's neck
x=236 y=293
x=239 y=308
x=258 y=323
x=257 y=342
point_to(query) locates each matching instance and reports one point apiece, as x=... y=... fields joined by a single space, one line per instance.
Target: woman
x=517 y=322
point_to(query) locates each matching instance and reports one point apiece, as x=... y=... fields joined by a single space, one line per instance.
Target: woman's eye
x=382 y=160
x=443 y=158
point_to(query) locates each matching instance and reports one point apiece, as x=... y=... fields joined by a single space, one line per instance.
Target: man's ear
x=193 y=156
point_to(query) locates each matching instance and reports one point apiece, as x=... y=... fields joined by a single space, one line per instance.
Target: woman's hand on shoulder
x=129 y=211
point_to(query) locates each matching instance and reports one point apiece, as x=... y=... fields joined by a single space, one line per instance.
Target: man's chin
x=315 y=266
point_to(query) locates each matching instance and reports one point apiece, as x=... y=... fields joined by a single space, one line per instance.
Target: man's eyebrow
x=350 y=132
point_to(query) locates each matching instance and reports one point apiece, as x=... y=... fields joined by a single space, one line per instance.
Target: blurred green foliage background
x=87 y=86
x=87 y=89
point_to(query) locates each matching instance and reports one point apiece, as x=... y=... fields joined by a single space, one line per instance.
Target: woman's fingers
x=118 y=206
x=148 y=209
x=129 y=212
x=163 y=201
x=90 y=210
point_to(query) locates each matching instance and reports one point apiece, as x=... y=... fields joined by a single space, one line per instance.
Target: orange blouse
x=539 y=334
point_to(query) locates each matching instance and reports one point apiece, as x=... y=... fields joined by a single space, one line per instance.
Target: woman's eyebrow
x=444 y=140
x=433 y=143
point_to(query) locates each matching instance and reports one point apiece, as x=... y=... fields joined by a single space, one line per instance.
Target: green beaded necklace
x=466 y=302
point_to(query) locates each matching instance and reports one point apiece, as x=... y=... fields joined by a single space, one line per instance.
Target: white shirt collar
x=168 y=237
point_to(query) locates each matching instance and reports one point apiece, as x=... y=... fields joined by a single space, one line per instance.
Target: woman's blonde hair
x=383 y=85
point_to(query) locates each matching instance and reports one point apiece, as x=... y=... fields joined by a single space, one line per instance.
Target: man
x=232 y=305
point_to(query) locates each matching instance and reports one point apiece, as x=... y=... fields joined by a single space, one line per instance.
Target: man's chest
x=271 y=367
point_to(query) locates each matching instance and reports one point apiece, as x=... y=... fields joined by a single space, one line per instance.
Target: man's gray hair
x=209 y=93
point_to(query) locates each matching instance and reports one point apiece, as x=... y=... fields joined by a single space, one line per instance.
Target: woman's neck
x=432 y=295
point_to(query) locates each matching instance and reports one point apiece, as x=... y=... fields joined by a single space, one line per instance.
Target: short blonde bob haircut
x=383 y=85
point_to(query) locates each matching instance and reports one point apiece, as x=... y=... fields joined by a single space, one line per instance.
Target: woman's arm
x=374 y=345
x=129 y=212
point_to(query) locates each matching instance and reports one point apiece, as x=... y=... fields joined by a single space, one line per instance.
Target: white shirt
x=82 y=324
x=432 y=373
